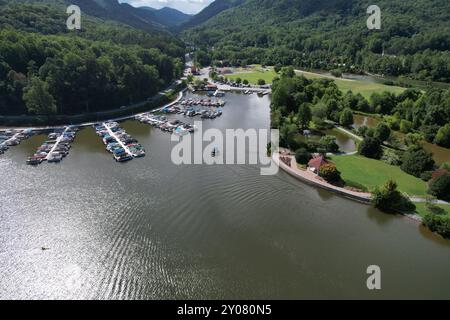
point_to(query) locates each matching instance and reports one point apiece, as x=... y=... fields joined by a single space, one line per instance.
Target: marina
x=55 y=148
x=118 y=142
x=10 y=138
x=147 y=220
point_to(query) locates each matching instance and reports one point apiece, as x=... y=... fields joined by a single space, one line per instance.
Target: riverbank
x=58 y=121
x=120 y=118
x=312 y=179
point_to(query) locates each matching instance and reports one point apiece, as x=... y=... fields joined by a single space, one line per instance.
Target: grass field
x=356 y=86
x=422 y=210
x=254 y=76
x=358 y=170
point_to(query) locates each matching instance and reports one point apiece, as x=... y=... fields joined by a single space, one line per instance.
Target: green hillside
x=330 y=34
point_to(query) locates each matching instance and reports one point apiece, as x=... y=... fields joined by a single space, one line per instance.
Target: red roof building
x=316 y=163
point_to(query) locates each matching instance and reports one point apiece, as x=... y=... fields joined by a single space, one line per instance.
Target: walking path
x=312 y=179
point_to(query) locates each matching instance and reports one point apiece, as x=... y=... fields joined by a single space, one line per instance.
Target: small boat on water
x=34 y=161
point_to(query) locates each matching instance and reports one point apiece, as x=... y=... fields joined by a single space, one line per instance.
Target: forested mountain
x=45 y=68
x=144 y=18
x=168 y=16
x=210 y=11
x=325 y=34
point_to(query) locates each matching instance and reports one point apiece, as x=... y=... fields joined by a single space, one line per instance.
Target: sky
x=186 y=6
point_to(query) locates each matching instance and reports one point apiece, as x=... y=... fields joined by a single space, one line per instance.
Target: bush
x=426 y=176
x=390 y=200
x=330 y=173
x=346 y=118
x=443 y=136
x=391 y=157
x=382 y=132
x=370 y=148
x=446 y=166
x=261 y=82
x=438 y=223
x=406 y=126
x=413 y=139
x=434 y=209
x=416 y=160
x=328 y=143
x=440 y=187
x=302 y=156
x=336 y=73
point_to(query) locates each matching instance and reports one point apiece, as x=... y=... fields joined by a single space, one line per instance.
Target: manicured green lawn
x=422 y=210
x=358 y=86
x=254 y=76
x=372 y=173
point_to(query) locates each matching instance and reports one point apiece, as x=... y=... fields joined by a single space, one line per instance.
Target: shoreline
x=311 y=179
x=87 y=124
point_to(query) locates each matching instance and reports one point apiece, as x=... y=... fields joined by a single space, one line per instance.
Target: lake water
x=149 y=229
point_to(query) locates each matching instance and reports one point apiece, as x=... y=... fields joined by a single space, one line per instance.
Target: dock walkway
x=112 y=134
x=58 y=141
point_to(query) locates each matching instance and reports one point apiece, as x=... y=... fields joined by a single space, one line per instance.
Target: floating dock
x=55 y=148
x=10 y=138
x=122 y=146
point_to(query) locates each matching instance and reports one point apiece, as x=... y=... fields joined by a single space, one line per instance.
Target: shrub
x=443 y=136
x=330 y=173
x=328 y=143
x=391 y=157
x=426 y=176
x=406 y=126
x=370 y=148
x=390 y=200
x=382 y=132
x=440 y=187
x=413 y=139
x=261 y=82
x=302 y=156
x=346 y=118
x=438 y=223
x=336 y=73
x=416 y=160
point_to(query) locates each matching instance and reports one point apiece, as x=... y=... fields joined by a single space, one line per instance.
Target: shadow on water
x=426 y=233
x=380 y=218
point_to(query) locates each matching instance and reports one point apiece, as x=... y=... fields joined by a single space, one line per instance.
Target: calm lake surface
x=149 y=229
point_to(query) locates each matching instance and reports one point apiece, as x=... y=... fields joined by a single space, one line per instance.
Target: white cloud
x=186 y=6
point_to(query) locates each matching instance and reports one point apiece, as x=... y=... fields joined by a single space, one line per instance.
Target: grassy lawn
x=254 y=76
x=357 y=170
x=422 y=210
x=364 y=87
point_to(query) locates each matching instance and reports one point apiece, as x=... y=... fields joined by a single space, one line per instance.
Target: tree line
x=45 y=69
x=327 y=35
